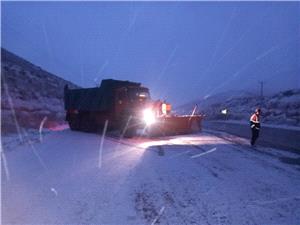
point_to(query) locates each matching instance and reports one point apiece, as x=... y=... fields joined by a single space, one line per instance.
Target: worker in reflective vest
x=255 y=125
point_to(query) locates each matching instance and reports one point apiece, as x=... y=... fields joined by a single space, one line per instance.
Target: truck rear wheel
x=73 y=123
x=130 y=133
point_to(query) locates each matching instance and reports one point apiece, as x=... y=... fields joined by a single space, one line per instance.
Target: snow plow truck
x=125 y=107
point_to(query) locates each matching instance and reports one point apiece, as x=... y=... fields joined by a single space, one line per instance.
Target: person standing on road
x=255 y=125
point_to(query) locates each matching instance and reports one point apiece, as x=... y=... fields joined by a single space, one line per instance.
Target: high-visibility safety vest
x=254 y=121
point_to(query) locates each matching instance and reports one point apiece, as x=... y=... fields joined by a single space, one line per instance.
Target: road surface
x=207 y=178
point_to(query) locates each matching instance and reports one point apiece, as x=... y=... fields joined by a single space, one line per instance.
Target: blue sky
x=180 y=50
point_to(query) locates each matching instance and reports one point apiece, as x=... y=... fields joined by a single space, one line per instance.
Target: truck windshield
x=135 y=94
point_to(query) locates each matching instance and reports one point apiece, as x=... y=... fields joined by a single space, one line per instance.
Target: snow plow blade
x=175 y=125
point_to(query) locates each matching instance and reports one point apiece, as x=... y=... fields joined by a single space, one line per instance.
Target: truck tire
x=87 y=124
x=73 y=123
x=130 y=132
x=128 y=129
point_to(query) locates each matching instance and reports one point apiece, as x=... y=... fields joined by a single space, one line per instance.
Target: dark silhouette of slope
x=29 y=94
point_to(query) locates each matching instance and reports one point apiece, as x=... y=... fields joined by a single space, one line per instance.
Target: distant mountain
x=282 y=108
x=29 y=95
x=207 y=101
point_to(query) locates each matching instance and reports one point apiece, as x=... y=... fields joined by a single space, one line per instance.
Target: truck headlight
x=149 y=117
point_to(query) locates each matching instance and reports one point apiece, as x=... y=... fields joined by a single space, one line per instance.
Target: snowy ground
x=207 y=178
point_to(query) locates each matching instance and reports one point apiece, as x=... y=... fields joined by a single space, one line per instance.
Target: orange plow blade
x=175 y=125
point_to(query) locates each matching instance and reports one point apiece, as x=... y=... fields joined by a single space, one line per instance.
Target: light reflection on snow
x=59 y=127
x=191 y=140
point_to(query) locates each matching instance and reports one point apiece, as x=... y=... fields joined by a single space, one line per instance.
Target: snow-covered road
x=194 y=179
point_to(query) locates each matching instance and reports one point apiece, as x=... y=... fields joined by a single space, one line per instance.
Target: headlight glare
x=149 y=117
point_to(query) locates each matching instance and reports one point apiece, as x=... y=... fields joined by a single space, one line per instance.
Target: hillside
x=282 y=108
x=29 y=95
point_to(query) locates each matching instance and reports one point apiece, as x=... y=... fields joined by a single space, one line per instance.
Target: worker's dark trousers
x=255 y=134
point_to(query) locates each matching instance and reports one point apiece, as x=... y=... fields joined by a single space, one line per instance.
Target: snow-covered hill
x=282 y=108
x=29 y=94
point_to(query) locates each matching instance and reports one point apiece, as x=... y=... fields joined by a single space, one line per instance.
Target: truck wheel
x=87 y=124
x=73 y=120
x=73 y=124
x=128 y=130
x=130 y=133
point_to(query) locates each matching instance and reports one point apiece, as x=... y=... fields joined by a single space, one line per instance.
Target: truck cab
x=131 y=98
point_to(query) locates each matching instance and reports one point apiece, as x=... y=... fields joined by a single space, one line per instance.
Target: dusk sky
x=182 y=51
